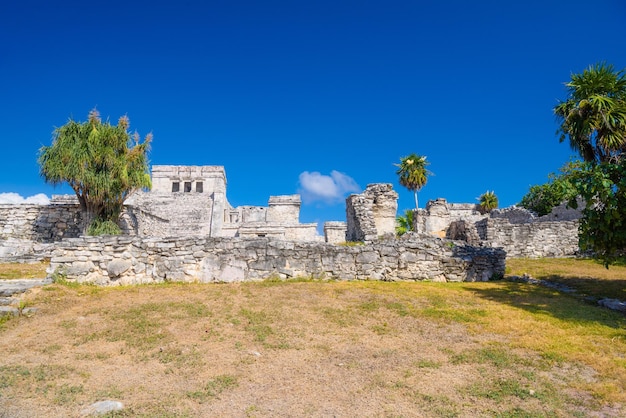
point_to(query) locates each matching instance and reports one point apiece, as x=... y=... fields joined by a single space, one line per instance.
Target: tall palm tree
x=594 y=114
x=413 y=173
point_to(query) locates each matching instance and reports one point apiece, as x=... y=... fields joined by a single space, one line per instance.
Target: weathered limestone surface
x=133 y=260
x=372 y=214
x=40 y=223
x=335 y=232
x=533 y=239
x=518 y=231
x=191 y=201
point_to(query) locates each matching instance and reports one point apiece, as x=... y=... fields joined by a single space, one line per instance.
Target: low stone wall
x=134 y=260
x=39 y=223
x=534 y=239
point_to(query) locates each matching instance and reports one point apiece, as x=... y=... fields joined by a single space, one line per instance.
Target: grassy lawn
x=318 y=349
x=10 y=271
x=588 y=277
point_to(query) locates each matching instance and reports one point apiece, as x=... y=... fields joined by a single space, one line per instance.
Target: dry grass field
x=320 y=349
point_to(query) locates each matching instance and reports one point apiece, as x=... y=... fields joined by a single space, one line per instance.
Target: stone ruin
x=185 y=229
x=519 y=231
x=371 y=214
x=191 y=200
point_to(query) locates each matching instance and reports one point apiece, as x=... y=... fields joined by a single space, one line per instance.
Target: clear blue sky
x=318 y=97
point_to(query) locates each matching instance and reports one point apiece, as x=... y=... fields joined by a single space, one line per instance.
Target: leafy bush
x=541 y=199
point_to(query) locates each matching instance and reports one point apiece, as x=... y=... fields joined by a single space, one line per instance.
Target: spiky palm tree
x=412 y=173
x=594 y=115
x=488 y=201
x=102 y=163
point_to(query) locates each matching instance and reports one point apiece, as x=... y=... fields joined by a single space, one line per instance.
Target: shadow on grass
x=540 y=301
x=590 y=287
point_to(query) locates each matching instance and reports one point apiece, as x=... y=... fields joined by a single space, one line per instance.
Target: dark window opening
x=187 y=186
x=199 y=187
x=260 y=235
x=175 y=186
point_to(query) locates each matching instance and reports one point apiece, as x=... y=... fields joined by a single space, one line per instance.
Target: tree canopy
x=488 y=201
x=102 y=163
x=593 y=116
x=412 y=173
x=602 y=229
x=541 y=199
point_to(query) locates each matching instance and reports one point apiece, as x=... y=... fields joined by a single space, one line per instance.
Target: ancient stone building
x=191 y=200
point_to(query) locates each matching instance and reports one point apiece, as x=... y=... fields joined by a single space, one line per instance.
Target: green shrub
x=100 y=227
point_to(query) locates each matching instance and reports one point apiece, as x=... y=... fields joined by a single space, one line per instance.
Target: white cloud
x=315 y=186
x=16 y=199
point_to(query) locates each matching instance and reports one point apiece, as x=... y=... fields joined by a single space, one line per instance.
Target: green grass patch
x=214 y=387
x=10 y=271
x=588 y=277
x=258 y=324
x=496 y=356
x=67 y=394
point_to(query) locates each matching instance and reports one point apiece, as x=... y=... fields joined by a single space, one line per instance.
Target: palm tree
x=594 y=114
x=488 y=201
x=413 y=173
x=404 y=223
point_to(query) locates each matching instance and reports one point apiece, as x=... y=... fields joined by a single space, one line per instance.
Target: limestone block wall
x=284 y=209
x=133 y=260
x=533 y=239
x=200 y=179
x=335 y=232
x=518 y=231
x=27 y=232
x=436 y=218
x=298 y=232
x=40 y=223
x=171 y=214
x=372 y=214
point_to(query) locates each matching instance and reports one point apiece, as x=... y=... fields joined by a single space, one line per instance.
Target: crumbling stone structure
x=189 y=202
x=372 y=214
x=520 y=232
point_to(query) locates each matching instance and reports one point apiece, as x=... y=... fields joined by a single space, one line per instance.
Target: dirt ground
x=276 y=350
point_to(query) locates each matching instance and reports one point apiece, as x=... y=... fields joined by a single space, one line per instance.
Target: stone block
x=117 y=267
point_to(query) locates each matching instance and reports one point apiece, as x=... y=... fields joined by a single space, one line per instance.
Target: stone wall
x=518 y=231
x=40 y=223
x=335 y=232
x=27 y=232
x=533 y=239
x=371 y=214
x=439 y=214
x=134 y=260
